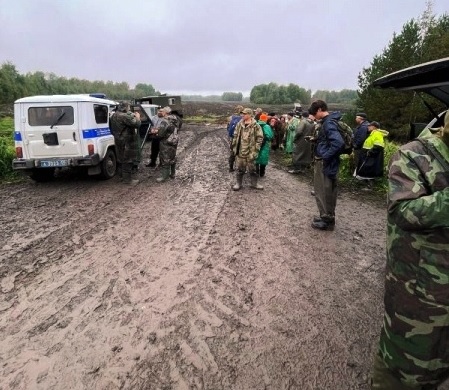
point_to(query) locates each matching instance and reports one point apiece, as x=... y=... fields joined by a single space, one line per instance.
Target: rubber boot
x=127 y=174
x=254 y=178
x=238 y=185
x=165 y=173
x=172 y=171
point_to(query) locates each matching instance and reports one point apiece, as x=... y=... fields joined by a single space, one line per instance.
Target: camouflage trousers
x=167 y=154
x=245 y=165
x=414 y=340
x=127 y=149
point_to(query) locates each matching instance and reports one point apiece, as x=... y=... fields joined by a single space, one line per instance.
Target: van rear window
x=48 y=116
x=101 y=113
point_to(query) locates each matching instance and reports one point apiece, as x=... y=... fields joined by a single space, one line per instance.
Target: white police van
x=59 y=131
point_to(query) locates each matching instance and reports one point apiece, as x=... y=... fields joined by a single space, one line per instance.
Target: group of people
x=124 y=126
x=311 y=138
x=413 y=352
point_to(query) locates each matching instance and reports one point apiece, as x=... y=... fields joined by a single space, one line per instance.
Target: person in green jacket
x=290 y=132
x=264 y=153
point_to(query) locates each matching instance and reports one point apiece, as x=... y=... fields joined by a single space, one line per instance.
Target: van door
x=51 y=130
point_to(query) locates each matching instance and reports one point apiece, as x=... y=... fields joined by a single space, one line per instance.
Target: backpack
x=232 y=124
x=347 y=134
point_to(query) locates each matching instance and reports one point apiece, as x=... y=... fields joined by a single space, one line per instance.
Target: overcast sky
x=204 y=46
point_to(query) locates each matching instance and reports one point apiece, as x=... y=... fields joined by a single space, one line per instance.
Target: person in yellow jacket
x=371 y=161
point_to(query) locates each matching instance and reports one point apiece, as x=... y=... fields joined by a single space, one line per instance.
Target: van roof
x=64 y=99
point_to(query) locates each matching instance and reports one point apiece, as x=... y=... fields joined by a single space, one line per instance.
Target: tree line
x=13 y=86
x=420 y=40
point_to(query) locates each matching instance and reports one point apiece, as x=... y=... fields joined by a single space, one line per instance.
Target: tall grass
x=7 y=152
x=346 y=171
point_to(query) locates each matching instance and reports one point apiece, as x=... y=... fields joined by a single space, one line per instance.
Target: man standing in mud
x=246 y=144
x=327 y=149
x=155 y=140
x=413 y=349
x=123 y=124
x=167 y=154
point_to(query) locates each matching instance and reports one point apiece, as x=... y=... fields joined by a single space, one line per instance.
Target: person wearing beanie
x=264 y=154
x=360 y=134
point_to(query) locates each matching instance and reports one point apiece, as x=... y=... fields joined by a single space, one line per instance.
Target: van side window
x=47 y=116
x=101 y=113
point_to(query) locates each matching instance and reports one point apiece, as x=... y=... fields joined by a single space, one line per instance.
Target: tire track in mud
x=66 y=307
x=186 y=284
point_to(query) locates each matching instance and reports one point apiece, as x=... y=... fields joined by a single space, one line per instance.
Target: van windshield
x=48 y=116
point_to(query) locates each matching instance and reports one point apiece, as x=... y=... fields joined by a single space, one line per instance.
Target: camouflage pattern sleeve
x=131 y=120
x=165 y=128
x=412 y=203
x=259 y=137
x=413 y=346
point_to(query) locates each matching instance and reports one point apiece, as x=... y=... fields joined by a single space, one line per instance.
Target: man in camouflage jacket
x=167 y=155
x=414 y=343
x=246 y=144
x=123 y=124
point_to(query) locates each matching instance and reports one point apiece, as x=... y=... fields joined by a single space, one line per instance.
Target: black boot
x=323 y=223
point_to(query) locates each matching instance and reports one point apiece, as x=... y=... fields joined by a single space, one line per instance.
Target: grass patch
x=7 y=151
x=345 y=175
x=207 y=118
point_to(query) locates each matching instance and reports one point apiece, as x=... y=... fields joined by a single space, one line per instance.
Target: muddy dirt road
x=186 y=284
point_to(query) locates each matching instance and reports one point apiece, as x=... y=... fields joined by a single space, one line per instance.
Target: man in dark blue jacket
x=360 y=135
x=328 y=147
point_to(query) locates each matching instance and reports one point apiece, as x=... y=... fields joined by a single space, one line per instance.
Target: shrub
x=7 y=152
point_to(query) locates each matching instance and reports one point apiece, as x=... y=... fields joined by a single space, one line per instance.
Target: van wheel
x=42 y=175
x=108 y=165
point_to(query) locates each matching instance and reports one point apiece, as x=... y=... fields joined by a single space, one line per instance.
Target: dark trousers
x=155 y=148
x=325 y=192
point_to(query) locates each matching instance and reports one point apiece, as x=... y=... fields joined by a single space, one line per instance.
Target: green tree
x=419 y=41
x=11 y=84
x=232 y=96
x=273 y=93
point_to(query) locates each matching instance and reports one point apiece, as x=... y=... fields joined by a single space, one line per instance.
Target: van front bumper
x=32 y=163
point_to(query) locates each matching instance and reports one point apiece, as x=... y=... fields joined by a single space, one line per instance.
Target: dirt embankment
x=186 y=284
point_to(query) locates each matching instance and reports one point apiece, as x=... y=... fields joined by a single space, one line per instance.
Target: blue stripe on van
x=18 y=136
x=95 y=133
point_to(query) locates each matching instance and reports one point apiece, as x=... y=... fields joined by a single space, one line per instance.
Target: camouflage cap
x=166 y=109
x=247 y=111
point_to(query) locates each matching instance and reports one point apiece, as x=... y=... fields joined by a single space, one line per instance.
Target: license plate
x=54 y=163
